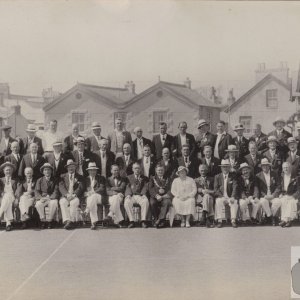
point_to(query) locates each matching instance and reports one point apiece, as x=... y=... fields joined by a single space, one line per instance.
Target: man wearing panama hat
x=259 y=138
x=70 y=140
x=281 y=134
x=8 y=187
x=234 y=159
x=293 y=156
x=47 y=194
x=253 y=158
x=225 y=187
x=240 y=141
x=5 y=143
x=31 y=138
x=92 y=142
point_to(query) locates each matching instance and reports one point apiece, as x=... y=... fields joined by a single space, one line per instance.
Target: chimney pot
x=188 y=83
x=130 y=86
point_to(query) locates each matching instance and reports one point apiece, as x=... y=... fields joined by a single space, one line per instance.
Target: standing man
x=259 y=138
x=104 y=159
x=71 y=188
x=71 y=140
x=125 y=161
x=253 y=158
x=211 y=162
x=281 y=134
x=189 y=162
x=183 y=138
x=31 y=138
x=139 y=143
x=170 y=164
x=118 y=138
x=5 y=143
x=50 y=136
x=162 y=140
x=225 y=187
x=298 y=135
x=160 y=196
x=204 y=138
x=240 y=141
x=147 y=162
x=92 y=142
x=136 y=192
x=292 y=157
x=15 y=158
x=223 y=140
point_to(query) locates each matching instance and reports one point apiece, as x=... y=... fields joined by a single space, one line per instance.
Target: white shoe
x=182 y=225
x=187 y=225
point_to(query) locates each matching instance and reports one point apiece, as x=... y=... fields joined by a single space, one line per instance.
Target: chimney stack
x=130 y=86
x=188 y=83
x=231 y=98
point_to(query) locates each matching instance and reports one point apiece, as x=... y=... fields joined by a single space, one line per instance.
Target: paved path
x=195 y=263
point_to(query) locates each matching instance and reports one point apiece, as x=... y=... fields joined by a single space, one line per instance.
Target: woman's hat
x=232 y=148
x=244 y=165
x=92 y=166
x=292 y=140
x=181 y=168
x=265 y=162
x=225 y=163
x=7 y=164
x=70 y=162
x=239 y=127
x=46 y=165
x=201 y=123
x=80 y=139
x=57 y=143
x=96 y=125
x=272 y=138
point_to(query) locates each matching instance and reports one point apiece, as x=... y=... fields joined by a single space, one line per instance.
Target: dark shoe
x=43 y=225
x=68 y=225
x=24 y=225
x=93 y=227
x=121 y=225
x=131 y=225
x=248 y=223
x=219 y=224
x=274 y=221
x=51 y=225
x=8 y=228
x=209 y=224
x=288 y=224
x=144 y=225
x=282 y=224
x=161 y=224
x=233 y=223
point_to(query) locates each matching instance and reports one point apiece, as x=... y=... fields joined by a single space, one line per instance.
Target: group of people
x=247 y=181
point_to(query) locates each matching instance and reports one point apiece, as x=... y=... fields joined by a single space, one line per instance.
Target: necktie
x=163 y=138
x=103 y=155
x=7 y=180
x=80 y=158
x=147 y=160
x=186 y=160
x=29 y=185
x=33 y=159
x=126 y=160
x=116 y=181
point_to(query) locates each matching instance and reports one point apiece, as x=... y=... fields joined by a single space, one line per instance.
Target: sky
x=58 y=43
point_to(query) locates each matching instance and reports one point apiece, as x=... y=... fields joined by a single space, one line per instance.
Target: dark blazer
x=44 y=188
x=242 y=146
x=27 y=162
x=135 y=147
x=61 y=163
x=22 y=187
x=158 y=146
x=245 y=191
x=213 y=167
x=6 y=150
x=232 y=188
x=274 y=184
x=261 y=142
x=190 y=140
x=170 y=168
x=135 y=187
x=14 y=184
x=282 y=140
x=92 y=143
x=112 y=188
x=208 y=139
x=160 y=187
x=24 y=145
x=225 y=141
x=152 y=166
x=276 y=162
x=68 y=145
x=295 y=164
x=193 y=166
x=125 y=170
x=110 y=160
x=10 y=158
x=255 y=166
x=99 y=187
x=87 y=158
x=293 y=187
x=64 y=184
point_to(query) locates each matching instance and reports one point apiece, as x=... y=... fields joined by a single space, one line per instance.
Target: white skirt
x=186 y=207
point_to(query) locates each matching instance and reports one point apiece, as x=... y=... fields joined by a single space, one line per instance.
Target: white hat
x=272 y=138
x=31 y=128
x=224 y=163
x=279 y=119
x=46 y=165
x=239 y=127
x=201 y=123
x=96 y=125
x=181 y=168
x=298 y=125
x=291 y=140
x=70 y=162
x=232 y=148
x=244 y=165
x=265 y=162
x=92 y=166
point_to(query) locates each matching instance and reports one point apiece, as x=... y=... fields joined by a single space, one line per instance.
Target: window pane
x=247 y=122
x=158 y=117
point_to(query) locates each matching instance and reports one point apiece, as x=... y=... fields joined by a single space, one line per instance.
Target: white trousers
x=265 y=205
x=288 y=208
x=92 y=206
x=115 y=208
x=244 y=208
x=6 y=207
x=24 y=204
x=69 y=210
x=220 y=208
x=142 y=201
x=53 y=207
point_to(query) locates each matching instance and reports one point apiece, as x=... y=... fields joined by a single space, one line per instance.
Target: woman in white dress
x=184 y=190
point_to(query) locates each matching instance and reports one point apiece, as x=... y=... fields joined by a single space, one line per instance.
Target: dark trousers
x=159 y=209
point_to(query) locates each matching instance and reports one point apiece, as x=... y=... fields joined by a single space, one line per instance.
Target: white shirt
x=6 y=140
x=286 y=181
x=216 y=150
x=8 y=186
x=183 y=139
x=293 y=154
x=279 y=132
x=127 y=158
x=272 y=152
x=208 y=160
x=92 y=182
x=225 y=177
x=140 y=146
x=163 y=138
x=146 y=162
x=56 y=158
x=268 y=181
x=186 y=160
x=71 y=185
x=16 y=156
x=103 y=158
x=29 y=185
x=33 y=158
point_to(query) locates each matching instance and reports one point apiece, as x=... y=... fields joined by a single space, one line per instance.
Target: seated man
x=147 y=163
x=95 y=193
x=292 y=157
x=8 y=188
x=25 y=194
x=247 y=193
x=211 y=162
x=71 y=188
x=269 y=187
x=289 y=195
x=253 y=158
x=273 y=155
x=170 y=164
x=205 y=192
x=225 y=187
x=136 y=192
x=234 y=159
x=125 y=161
x=160 y=195
x=115 y=189
x=47 y=194
x=188 y=161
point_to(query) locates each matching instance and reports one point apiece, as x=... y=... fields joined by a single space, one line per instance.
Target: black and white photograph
x=149 y=150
